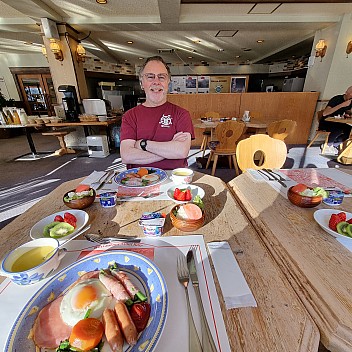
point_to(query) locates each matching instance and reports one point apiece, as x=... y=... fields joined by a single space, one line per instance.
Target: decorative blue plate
x=143 y=272
x=162 y=175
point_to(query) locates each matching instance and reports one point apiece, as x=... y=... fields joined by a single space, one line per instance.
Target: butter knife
x=208 y=343
x=102 y=182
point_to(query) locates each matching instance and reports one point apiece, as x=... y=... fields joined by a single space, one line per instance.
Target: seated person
x=339 y=132
x=156 y=133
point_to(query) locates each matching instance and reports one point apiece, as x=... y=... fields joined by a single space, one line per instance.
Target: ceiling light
x=141 y=58
x=259 y=41
x=130 y=42
x=190 y=57
x=220 y=50
x=320 y=49
x=237 y=56
x=102 y=1
x=349 y=48
x=196 y=41
x=126 y=60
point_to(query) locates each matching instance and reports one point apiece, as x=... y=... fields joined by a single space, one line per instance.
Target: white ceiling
x=189 y=29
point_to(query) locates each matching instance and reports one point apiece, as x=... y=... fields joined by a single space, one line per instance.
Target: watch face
x=143 y=144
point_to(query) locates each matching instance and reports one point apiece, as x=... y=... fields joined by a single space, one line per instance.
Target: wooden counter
x=280 y=323
x=274 y=106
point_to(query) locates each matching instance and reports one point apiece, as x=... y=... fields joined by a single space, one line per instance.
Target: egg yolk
x=84 y=297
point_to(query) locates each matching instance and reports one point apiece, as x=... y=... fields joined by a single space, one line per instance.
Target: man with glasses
x=156 y=133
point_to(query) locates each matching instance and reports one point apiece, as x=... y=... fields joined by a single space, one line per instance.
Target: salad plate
x=81 y=216
x=322 y=217
x=195 y=191
x=135 y=177
x=142 y=271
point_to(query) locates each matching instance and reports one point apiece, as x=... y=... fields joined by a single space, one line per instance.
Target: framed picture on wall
x=238 y=84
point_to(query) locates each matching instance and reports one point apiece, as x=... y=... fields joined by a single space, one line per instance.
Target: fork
x=183 y=278
x=267 y=175
x=277 y=174
x=106 y=240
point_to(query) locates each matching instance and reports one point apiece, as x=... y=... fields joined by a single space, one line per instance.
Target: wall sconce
x=44 y=52
x=349 y=48
x=320 y=49
x=80 y=53
x=56 y=50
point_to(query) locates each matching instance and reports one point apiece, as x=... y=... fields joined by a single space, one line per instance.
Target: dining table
x=345 y=155
x=278 y=321
x=318 y=265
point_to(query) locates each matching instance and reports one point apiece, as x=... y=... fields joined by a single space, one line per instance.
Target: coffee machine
x=70 y=102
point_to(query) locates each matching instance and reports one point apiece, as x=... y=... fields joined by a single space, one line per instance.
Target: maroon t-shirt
x=157 y=124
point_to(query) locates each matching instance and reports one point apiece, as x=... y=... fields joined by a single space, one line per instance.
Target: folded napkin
x=235 y=290
x=93 y=177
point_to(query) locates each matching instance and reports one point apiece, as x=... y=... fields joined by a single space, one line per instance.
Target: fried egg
x=89 y=294
x=150 y=177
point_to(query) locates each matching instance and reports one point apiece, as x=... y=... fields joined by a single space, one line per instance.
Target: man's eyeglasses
x=150 y=77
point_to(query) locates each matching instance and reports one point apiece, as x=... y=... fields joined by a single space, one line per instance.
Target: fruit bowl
x=186 y=225
x=80 y=203
x=303 y=201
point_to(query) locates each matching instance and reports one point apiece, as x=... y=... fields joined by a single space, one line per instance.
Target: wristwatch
x=143 y=144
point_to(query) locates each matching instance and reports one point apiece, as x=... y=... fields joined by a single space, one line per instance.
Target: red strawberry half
x=59 y=218
x=342 y=216
x=334 y=220
x=70 y=219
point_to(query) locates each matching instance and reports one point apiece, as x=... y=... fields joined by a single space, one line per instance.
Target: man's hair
x=154 y=58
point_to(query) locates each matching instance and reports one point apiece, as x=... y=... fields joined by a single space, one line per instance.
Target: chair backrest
x=213 y=114
x=281 y=129
x=228 y=133
x=269 y=152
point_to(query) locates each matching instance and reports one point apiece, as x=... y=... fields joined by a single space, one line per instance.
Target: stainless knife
x=102 y=181
x=208 y=343
x=276 y=177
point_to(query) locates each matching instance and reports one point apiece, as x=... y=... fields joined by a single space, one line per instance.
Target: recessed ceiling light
x=245 y=49
x=120 y=79
x=190 y=57
x=259 y=41
x=130 y=42
x=237 y=56
x=141 y=58
x=196 y=41
x=126 y=60
x=220 y=50
x=102 y=1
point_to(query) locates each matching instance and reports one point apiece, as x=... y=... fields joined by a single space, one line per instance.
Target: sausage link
x=126 y=323
x=113 y=332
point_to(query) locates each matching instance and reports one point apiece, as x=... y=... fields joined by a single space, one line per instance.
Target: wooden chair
x=228 y=133
x=320 y=133
x=281 y=129
x=207 y=131
x=273 y=152
x=61 y=137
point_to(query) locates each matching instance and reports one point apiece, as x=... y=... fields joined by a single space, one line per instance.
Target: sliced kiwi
x=341 y=228
x=47 y=228
x=61 y=229
x=349 y=230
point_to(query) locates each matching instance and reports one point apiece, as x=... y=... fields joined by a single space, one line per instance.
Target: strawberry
x=70 y=219
x=334 y=220
x=176 y=193
x=349 y=221
x=342 y=216
x=182 y=196
x=59 y=218
x=300 y=187
x=188 y=194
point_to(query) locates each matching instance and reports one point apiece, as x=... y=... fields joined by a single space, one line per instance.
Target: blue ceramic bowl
x=334 y=198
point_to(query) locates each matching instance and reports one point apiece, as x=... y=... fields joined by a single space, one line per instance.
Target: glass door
x=38 y=93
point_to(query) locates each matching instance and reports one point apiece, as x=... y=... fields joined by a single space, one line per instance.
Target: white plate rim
x=162 y=173
x=79 y=214
x=322 y=216
x=200 y=192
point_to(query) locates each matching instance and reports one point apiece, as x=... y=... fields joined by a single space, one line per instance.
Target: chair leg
x=209 y=159
x=204 y=145
x=230 y=161
x=325 y=143
x=313 y=140
x=235 y=165
x=214 y=164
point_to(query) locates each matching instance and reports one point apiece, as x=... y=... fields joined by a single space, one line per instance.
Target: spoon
x=63 y=243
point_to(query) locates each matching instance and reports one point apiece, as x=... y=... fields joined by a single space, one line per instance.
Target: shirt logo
x=165 y=121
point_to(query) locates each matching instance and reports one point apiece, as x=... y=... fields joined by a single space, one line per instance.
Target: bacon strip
x=114 y=286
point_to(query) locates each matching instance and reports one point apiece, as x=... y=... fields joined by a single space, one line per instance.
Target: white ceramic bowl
x=195 y=190
x=182 y=175
x=37 y=273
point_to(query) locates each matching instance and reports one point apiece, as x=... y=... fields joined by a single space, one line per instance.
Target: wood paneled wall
x=273 y=106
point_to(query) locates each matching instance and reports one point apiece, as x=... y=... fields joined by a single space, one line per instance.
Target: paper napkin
x=235 y=291
x=93 y=177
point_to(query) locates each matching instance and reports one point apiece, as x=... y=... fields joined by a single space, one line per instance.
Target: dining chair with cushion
x=228 y=133
x=261 y=151
x=281 y=129
x=207 y=131
x=320 y=133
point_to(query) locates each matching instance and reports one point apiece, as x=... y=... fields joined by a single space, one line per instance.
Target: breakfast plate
x=195 y=191
x=81 y=216
x=322 y=217
x=131 y=177
x=144 y=274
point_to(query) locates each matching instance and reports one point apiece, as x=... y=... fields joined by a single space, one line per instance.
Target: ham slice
x=49 y=329
x=114 y=286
